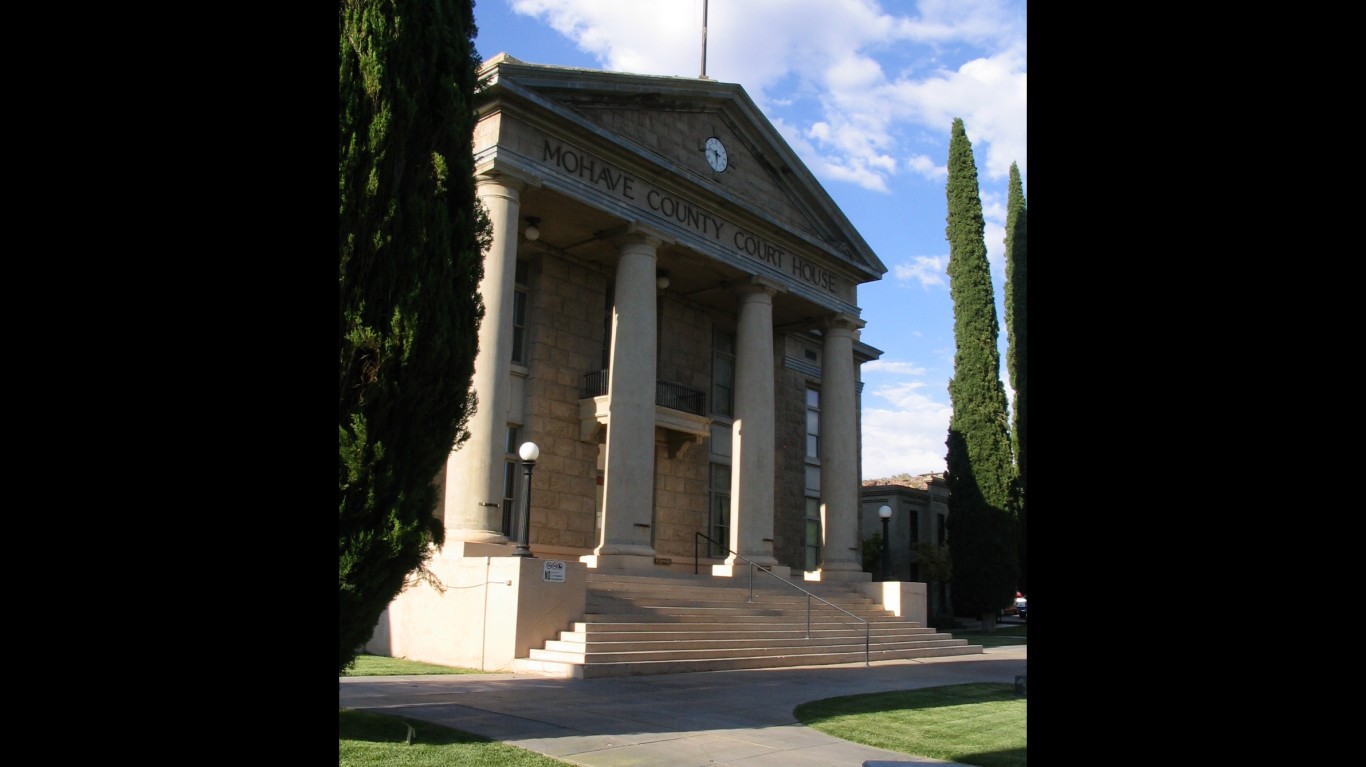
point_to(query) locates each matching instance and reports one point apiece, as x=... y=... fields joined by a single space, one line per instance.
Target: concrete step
x=635 y=668
x=646 y=624
x=683 y=613
x=727 y=650
x=732 y=600
x=779 y=617
x=641 y=584
x=729 y=644
x=687 y=632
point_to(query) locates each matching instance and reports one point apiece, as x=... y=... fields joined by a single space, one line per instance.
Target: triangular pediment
x=667 y=121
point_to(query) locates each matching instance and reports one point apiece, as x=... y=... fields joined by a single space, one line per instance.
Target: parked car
x=1020 y=607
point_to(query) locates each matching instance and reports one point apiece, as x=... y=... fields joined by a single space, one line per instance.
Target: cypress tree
x=980 y=475
x=1017 y=337
x=411 y=239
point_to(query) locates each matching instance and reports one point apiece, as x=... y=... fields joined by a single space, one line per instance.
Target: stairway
x=645 y=624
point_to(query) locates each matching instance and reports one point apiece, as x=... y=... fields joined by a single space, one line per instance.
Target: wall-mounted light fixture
x=533 y=229
x=662 y=279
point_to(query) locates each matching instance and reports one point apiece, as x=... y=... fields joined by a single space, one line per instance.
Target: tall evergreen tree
x=1017 y=340
x=411 y=239
x=982 y=523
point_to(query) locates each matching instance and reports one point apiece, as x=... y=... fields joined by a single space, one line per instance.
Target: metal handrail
x=867 y=626
x=667 y=394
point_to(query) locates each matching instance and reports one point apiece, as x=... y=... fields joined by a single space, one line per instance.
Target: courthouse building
x=672 y=318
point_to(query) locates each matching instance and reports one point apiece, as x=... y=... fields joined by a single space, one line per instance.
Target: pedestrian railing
x=867 y=627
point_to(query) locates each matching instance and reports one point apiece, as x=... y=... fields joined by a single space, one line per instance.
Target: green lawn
x=1003 y=636
x=981 y=724
x=371 y=740
x=978 y=724
x=378 y=665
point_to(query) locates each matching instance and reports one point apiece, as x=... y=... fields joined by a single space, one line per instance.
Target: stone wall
x=789 y=489
x=564 y=337
x=682 y=481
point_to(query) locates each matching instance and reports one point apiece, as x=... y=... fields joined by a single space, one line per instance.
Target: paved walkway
x=702 y=719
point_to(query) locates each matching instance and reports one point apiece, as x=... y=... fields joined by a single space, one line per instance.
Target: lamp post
x=529 y=453
x=886 y=513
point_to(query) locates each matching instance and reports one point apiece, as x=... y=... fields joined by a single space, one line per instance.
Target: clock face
x=716 y=154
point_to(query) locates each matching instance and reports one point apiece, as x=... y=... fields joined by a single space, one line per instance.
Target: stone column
x=473 y=495
x=840 y=558
x=752 y=433
x=629 y=477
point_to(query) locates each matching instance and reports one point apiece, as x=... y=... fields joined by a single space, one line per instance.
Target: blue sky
x=865 y=92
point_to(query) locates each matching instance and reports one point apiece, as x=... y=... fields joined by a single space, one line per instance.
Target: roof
x=642 y=112
x=919 y=482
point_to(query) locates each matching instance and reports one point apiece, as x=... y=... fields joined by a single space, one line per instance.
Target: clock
x=716 y=154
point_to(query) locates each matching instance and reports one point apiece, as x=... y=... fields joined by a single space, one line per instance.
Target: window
x=723 y=373
x=812 y=541
x=813 y=534
x=519 y=315
x=813 y=424
x=943 y=530
x=510 y=481
x=719 y=526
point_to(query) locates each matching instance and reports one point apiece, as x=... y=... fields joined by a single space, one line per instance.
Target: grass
x=978 y=724
x=378 y=665
x=1004 y=636
x=371 y=740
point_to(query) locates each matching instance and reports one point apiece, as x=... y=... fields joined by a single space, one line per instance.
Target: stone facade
x=631 y=254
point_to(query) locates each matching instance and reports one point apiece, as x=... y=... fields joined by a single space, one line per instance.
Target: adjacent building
x=919 y=514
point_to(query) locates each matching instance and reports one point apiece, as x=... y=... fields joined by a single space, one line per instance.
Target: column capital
x=842 y=321
x=636 y=234
x=517 y=182
x=757 y=284
x=498 y=185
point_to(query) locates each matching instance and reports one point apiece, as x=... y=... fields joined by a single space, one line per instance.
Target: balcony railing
x=671 y=395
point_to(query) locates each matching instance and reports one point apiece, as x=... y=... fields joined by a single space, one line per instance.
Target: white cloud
x=907 y=438
x=887 y=366
x=856 y=172
x=979 y=21
x=874 y=76
x=989 y=94
x=926 y=167
x=927 y=270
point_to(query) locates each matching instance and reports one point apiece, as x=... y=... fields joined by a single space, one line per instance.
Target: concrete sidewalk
x=702 y=719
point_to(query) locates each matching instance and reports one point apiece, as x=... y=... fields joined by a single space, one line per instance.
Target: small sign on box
x=554 y=571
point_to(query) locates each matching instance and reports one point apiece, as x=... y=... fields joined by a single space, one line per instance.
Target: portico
x=663 y=335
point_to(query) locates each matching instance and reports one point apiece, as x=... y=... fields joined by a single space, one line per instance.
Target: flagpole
x=704 y=39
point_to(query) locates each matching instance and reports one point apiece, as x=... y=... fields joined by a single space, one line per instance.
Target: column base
x=469 y=535
x=741 y=570
x=839 y=576
x=457 y=549
x=621 y=562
